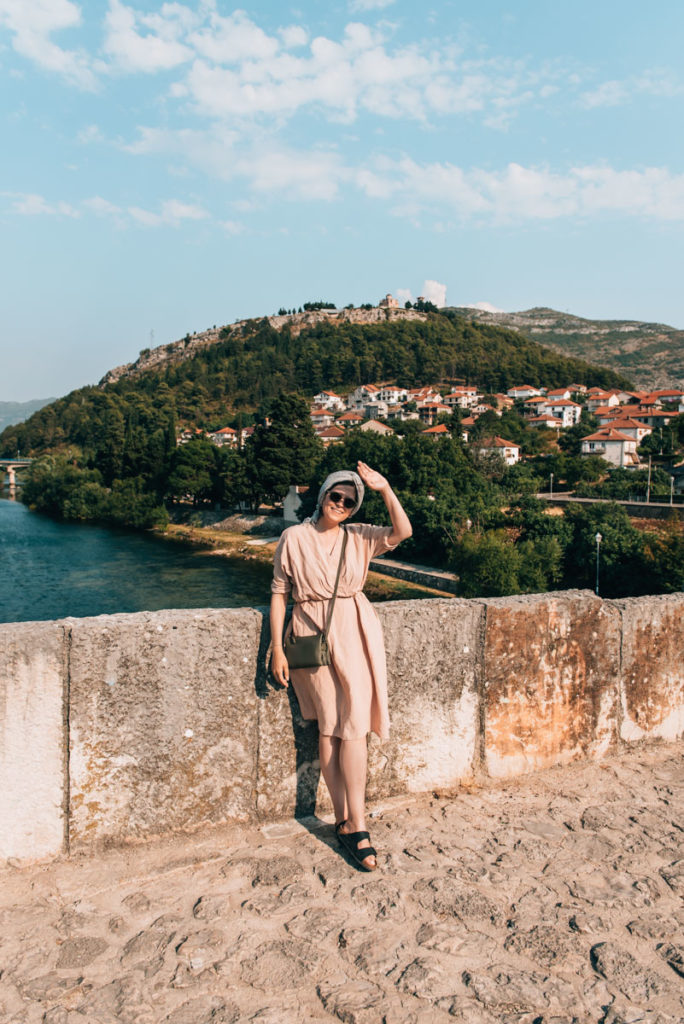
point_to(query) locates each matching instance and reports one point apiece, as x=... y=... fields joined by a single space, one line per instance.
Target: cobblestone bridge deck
x=555 y=898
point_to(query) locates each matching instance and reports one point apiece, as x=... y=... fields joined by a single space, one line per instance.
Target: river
x=49 y=570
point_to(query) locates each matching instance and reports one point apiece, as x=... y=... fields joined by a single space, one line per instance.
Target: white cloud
x=486 y=307
x=91 y=133
x=234 y=39
x=293 y=36
x=435 y=292
x=232 y=227
x=29 y=204
x=172 y=213
x=404 y=295
x=32 y=25
x=518 y=193
x=102 y=207
x=157 y=49
x=608 y=94
x=660 y=82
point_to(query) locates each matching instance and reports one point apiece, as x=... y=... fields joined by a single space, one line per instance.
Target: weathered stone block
x=551 y=665
x=433 y=671
x=32 y=739
x=652 y=667
x=163 y=722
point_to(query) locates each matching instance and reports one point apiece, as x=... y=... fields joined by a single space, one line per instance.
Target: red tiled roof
x=607 y=434
x=440 y=428
x=498 y=442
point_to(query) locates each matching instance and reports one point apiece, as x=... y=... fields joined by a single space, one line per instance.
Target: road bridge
x=11 y=466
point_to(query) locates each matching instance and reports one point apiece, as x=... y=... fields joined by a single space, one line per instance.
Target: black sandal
x=350 y=841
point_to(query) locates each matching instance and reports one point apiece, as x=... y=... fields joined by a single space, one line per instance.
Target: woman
x=348 y=698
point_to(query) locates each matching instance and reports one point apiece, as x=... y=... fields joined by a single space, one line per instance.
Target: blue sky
x=170 y=166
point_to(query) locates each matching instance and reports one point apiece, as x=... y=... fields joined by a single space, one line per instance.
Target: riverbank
x=251 y=546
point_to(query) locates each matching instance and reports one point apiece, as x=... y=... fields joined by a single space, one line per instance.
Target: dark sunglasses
x=336 y=498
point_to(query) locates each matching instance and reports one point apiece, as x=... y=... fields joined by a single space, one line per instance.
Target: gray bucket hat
x=342 y=476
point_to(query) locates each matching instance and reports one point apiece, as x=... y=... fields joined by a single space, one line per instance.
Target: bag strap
x=337 y=580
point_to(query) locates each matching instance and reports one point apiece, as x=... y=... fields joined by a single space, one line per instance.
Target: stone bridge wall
x=119 y=728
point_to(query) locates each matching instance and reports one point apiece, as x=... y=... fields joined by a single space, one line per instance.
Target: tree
x=193 y=471
x=281 y=452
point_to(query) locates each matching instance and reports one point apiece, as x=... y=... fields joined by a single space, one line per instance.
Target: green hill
x=246 y=366
x=651 y=354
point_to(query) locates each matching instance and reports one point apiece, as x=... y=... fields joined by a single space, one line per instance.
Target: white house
x=559 y=393
x=321 y=417
x=523 y=391
x=613 y=446
x=508 y=450
x=329 y=400
x=392 y=394
x=631 y=427
x=550 y=422
x=224 y=436
x=565 y=410
x=364 y=393
x=597 y=398
x=464 y=398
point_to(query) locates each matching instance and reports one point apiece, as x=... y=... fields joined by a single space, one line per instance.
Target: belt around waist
x=320 y=600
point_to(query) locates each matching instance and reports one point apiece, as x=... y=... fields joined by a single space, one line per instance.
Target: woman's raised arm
x=401 y=526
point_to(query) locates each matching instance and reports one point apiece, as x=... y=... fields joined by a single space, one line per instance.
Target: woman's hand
x=372 y=479
x=279 y=666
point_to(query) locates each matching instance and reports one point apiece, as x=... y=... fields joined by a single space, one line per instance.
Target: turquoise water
x=49 y=570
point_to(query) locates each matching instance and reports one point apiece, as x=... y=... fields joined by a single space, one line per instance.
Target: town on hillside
x=624 y=418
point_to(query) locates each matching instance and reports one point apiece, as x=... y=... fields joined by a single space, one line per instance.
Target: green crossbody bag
x=313 y=651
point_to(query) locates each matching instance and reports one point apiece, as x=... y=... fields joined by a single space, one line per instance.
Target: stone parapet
x=120 y=728
x=33 y=733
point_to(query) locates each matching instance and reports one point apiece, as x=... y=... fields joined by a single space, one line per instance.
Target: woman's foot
x=357 y=843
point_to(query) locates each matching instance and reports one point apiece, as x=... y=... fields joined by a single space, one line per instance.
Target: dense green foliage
x=110 y=453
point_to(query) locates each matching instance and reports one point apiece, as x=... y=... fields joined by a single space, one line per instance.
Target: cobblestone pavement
x=555 y=898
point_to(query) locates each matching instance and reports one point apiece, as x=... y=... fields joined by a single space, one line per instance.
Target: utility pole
x=648 y=488
x=599 y=538
x=551 y=492
x=671 y=489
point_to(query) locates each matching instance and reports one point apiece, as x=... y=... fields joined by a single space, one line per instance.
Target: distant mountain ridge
x=17 y=412
x=651 y=354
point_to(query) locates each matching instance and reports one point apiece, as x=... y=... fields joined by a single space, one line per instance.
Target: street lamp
x=671 y=489
x=551 y=493
x=599 y=538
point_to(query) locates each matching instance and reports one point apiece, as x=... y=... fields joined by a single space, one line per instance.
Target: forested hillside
x=244 y=371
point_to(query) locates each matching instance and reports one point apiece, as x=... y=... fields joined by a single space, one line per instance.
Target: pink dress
x=348 y=698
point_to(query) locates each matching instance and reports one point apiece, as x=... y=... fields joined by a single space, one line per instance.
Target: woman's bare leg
x=353 y=759
x=329 y=755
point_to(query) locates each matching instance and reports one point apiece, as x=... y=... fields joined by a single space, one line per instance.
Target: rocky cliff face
x=191 y=344
x=652 y=355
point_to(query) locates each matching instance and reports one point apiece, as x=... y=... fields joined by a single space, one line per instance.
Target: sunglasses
x=336 y=498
